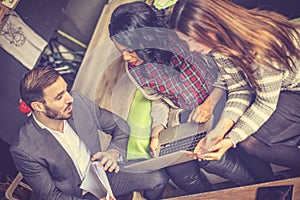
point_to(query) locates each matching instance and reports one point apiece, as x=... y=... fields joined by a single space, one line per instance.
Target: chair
x=13 y=186
x=18 y=181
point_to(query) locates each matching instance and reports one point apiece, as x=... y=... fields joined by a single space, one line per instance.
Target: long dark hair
x=245 y=36
x=143 y=29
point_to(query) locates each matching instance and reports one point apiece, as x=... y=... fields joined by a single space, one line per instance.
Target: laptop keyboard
x=188 y=144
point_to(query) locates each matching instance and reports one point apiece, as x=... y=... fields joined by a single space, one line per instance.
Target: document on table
x=96 y=182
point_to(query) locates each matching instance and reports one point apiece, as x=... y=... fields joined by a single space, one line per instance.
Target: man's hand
x=108 y=160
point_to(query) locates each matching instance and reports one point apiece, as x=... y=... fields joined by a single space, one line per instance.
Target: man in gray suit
x=60 y=139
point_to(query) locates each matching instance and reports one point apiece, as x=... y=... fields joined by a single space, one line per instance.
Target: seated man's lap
x=125 y=182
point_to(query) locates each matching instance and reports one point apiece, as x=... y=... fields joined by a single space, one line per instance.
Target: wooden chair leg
x=13 y=186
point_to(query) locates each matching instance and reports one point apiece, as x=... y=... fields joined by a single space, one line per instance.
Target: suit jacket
x=44 y=163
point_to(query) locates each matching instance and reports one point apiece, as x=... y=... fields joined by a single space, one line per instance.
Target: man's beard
x=53 y=114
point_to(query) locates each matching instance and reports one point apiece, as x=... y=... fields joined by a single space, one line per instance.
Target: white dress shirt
x=72 y=145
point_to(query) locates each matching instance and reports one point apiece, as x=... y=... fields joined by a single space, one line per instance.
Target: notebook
x=176 y=144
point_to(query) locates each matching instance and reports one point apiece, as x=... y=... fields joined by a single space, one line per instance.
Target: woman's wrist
x=156 y=130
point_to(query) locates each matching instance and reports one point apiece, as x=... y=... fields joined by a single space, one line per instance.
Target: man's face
x=58 y=102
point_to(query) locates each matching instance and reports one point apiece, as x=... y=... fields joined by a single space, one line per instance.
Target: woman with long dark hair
x=175 y=80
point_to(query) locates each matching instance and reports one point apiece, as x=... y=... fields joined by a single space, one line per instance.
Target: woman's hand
x=218 y=150
x=202 y=113
x=213 y=145
x=205 y=145
x=154 y=143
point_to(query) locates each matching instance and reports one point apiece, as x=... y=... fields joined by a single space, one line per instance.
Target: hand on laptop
x=206 y=144
x=202 y=113
x=219 y=149
x=154 y=143
x=214 y=145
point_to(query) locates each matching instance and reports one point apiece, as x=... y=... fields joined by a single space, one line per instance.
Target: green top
x=139 y=120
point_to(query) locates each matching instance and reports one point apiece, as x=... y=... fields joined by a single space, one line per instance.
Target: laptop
x=176 y=144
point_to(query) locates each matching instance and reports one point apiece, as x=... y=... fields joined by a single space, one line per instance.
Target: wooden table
x=244 y=193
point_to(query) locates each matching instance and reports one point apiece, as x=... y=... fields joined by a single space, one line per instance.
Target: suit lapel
x=83 y=123
x=50 y=147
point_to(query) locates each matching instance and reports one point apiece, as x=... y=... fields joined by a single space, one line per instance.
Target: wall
x=43 y=17
x=289 y=8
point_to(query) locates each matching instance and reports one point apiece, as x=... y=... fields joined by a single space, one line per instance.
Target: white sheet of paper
x=96 y=181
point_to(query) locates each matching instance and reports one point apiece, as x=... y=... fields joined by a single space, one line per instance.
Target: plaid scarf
x=187 y=81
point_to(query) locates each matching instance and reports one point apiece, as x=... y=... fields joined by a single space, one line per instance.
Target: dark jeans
x=152 y=183
x=260 y=170
x=231 y=167
x=278 y=139
x=188 y=177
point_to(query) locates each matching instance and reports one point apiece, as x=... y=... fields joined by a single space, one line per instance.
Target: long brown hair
x=245 y=36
